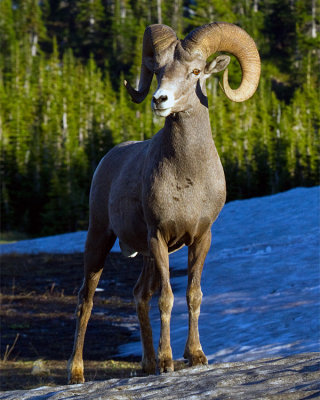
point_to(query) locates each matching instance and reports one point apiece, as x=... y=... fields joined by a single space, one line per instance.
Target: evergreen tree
x=63 y=104
x=91 y=30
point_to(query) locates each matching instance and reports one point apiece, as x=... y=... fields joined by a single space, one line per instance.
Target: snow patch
x=261 y=280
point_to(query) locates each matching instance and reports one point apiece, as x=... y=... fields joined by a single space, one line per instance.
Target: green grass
x=12 y=236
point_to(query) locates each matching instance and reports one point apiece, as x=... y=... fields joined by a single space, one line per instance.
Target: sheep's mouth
x=162 y=112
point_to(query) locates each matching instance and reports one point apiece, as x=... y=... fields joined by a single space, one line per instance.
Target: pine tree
x=91 y=31
x=7 y=35
x=63 y=104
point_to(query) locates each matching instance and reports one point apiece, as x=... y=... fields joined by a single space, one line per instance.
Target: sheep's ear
x=217 y=65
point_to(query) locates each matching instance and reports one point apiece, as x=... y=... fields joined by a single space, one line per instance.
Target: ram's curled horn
x=156 y=39
x=221 y=36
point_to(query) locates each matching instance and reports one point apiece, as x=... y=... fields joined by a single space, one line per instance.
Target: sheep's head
x=181 y=68
x=181 y=78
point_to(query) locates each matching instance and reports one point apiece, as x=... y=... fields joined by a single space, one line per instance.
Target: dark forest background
x=63 y=105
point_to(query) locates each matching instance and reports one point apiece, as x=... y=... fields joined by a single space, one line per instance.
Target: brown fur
x=157 y=196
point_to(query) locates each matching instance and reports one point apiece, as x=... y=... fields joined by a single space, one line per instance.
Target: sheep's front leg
x=159 y=251
x=98 y=245
x=196 y=256
x=147 y=284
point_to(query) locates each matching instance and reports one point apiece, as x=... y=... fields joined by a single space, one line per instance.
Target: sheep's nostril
x=163 y=98
x=160 y=99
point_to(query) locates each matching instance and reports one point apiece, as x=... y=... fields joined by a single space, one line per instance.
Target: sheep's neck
x=188 y=133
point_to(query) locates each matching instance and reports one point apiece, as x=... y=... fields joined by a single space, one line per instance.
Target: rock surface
x=289 y=378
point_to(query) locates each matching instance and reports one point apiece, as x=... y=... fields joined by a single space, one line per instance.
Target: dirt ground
x=38 y=300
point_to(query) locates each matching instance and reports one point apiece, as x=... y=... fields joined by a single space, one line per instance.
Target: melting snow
x=261 y=279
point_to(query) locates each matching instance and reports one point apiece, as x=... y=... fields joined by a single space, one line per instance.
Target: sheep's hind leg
x=98 y=244
x=159 y=250
x=146 y=285
x=196 y=256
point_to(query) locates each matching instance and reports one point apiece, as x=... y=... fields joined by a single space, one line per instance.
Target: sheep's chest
x=184 y=202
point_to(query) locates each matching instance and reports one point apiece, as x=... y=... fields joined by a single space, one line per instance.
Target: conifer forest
x=63 y=104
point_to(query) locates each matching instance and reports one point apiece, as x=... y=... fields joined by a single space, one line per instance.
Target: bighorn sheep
x=166 y=192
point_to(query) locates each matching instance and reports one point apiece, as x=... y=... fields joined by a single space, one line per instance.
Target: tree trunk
x=123 y=11
x=159 y=13
x=34 y=42
x=175 y=15
x=313 y=12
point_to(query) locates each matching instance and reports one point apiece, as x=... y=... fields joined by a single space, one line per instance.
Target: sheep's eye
x=196 y=71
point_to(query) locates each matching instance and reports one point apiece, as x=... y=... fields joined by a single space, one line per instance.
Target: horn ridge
x=156 y=39
x=162 y=36
x=222 y=36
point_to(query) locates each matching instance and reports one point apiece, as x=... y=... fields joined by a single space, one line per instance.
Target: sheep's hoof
x=197 y=358
x=75 y=373
x=149 y=366
x=76 y=378
x=166 y=365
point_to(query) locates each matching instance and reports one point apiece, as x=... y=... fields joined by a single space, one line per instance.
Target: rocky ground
x=38 y=299
x=290 y=378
